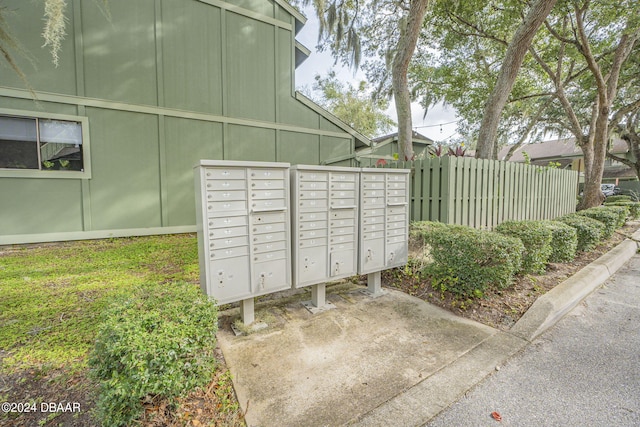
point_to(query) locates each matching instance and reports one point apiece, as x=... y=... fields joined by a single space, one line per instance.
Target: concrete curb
x=422 y=402
x=552 y=306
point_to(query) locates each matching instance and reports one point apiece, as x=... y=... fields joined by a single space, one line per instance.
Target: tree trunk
x=401 y=95
x=508 y=72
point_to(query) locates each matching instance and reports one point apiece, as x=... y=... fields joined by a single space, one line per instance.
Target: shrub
x=467 y=261
x=634 y=208
x=589 y=230
x=420 y=235
x=621 y=211
x=157 y=341
x=564 y=241
x=607 y=217
x=536 y=238
x=617 y=198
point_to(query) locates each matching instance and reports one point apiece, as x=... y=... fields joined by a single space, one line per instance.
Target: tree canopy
x=353 y=105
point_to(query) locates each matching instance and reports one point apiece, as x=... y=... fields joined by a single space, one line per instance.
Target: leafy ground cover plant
x=536 y=238
x=155 y=343
x=50 y=311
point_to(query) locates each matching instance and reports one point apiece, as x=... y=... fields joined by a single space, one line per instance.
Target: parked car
x=610 y=190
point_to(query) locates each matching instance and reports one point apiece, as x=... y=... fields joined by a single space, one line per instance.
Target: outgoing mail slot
x=343 y=214
x=268 y=217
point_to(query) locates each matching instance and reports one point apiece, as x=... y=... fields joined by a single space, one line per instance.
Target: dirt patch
x=504 y=308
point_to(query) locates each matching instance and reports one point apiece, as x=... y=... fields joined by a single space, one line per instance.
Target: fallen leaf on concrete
x=496 y=416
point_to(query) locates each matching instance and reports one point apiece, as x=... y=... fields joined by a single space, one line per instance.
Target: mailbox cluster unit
x=265 y=227
x=243 y=228
x=325 y=223
x=385 y=219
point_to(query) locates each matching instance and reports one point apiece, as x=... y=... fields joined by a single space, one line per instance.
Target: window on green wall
x=40 y=144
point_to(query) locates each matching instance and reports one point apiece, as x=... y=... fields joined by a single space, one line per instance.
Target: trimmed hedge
x=158 y=341
x=621 y=211
x=536 y=238
x=589 y=230
x=617 y=198
x=564 y=241
x=634 y=208
x=468 y=262
x=606 y=216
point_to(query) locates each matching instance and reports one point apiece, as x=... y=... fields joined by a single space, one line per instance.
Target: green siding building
x=108 y=145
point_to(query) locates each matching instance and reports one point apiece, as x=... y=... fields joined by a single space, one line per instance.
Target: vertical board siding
x=484 y=193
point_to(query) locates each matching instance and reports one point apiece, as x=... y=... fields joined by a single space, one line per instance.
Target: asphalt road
x=585 y=371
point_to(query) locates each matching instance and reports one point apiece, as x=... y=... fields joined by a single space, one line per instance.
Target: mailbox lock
x=369 y=254
x=262 y=280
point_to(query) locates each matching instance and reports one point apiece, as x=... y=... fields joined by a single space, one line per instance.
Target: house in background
x=386 y=147
x=569 y=156
x=108 y=147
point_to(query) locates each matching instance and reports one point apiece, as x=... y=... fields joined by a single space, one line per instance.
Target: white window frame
x=33 y=173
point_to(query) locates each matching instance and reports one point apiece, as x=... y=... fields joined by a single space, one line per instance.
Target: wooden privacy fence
x=484 y=193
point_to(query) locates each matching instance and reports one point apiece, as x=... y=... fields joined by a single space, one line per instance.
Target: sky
x=439 y=125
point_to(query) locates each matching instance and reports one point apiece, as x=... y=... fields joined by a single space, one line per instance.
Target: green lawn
x=52 y=295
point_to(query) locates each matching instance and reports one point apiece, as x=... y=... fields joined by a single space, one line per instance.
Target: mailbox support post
x=247 y=311
x=318 y=295
x=374 y=283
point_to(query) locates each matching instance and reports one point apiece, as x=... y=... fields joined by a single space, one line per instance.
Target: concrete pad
x=329 y=368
